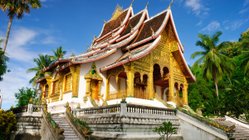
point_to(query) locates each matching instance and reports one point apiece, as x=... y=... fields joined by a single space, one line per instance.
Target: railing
x=124 y=109
x=79 y=126
x=56 y=131
x=29 y=109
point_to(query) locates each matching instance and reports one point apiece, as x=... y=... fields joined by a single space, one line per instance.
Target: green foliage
x=58 y=53
x=42 y=62
x=51 y=121
x=3 y=63
x=7 y=124
x=213 y=62
x=233 y=88
x=166 y=129
x=25 y=95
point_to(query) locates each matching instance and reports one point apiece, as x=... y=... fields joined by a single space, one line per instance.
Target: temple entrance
x=95 y=89
x=140 y=86
x=161 y=82
x=117 y=86
x=122 y=84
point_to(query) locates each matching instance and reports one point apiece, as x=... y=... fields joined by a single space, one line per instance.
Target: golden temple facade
x=135 y=57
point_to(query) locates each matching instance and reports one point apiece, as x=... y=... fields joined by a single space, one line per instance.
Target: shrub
x=7 y=124
x=166 y=129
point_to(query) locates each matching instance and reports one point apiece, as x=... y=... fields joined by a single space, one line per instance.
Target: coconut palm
x=244 y=44
x=16 y=8
x=3 y=65
x=41 y=62
x=214 y=63
x=58 y=53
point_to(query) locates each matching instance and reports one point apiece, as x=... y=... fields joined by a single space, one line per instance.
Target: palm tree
x=58 y=53
x=41 y=62
x=16 y=8
x=214 y=63
x=3 y=65
x=244 y=44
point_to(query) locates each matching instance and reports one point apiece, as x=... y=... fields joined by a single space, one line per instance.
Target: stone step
x=69 y=133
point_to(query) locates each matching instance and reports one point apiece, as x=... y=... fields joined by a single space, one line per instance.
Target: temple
x=136 y=58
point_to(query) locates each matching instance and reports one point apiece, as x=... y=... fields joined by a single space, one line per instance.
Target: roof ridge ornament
x=170 y=4
x=132 y=3
x=146 y=6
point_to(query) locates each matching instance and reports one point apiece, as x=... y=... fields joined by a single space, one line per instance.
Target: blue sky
x=73 y=24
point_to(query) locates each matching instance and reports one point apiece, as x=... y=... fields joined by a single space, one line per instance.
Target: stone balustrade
x=126 y=119
x=124 y=109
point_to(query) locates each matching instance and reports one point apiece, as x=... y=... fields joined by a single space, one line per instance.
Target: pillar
x=50 y=88
x=75 y=71
x=171 y=79
x=107 y=89
x=185 y=94
x=150 y=85
x=88 y=88
x=130 y=80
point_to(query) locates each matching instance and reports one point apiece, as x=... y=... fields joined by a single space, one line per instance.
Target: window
x=56 y=89
x=68 y=83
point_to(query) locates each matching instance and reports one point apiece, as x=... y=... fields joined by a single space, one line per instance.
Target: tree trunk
x=7 y=34
x=216 y=89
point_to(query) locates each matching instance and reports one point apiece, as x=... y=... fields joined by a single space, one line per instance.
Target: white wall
x=99 y=64
x=193 y=129
x=113 y=85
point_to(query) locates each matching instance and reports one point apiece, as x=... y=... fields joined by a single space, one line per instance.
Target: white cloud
x=212 y=26
x=246 y=3
x=196 y=6
x=13 y=80
x=245 y=7
x=234 y=25
x=21 y=41
x=17 y=47
x=49 y=40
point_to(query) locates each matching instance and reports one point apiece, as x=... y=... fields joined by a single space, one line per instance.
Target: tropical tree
x=16 y=8
x=41 y=62
x=214 y=63
x=3 y=64
x=244 y=43
x=166 y=129
x=58 y=53
x=24 y=96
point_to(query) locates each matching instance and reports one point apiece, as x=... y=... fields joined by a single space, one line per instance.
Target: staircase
x=63 y=123
x=240 y=132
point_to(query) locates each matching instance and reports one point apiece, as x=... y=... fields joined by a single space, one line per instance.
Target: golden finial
x=170 y=4
x=147 y=5
x=132 y=3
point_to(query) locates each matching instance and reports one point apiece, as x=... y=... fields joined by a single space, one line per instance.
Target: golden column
x=75 y=71
x=130 y=80
x=171 y=79
x=185 y=93
x=49 y=82
x=107 y=88
x=61 y=86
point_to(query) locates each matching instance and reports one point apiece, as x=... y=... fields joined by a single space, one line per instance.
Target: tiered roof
x=136 y=35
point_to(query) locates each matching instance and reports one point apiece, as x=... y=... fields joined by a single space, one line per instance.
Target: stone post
x=30 y=108
x=123 y=108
